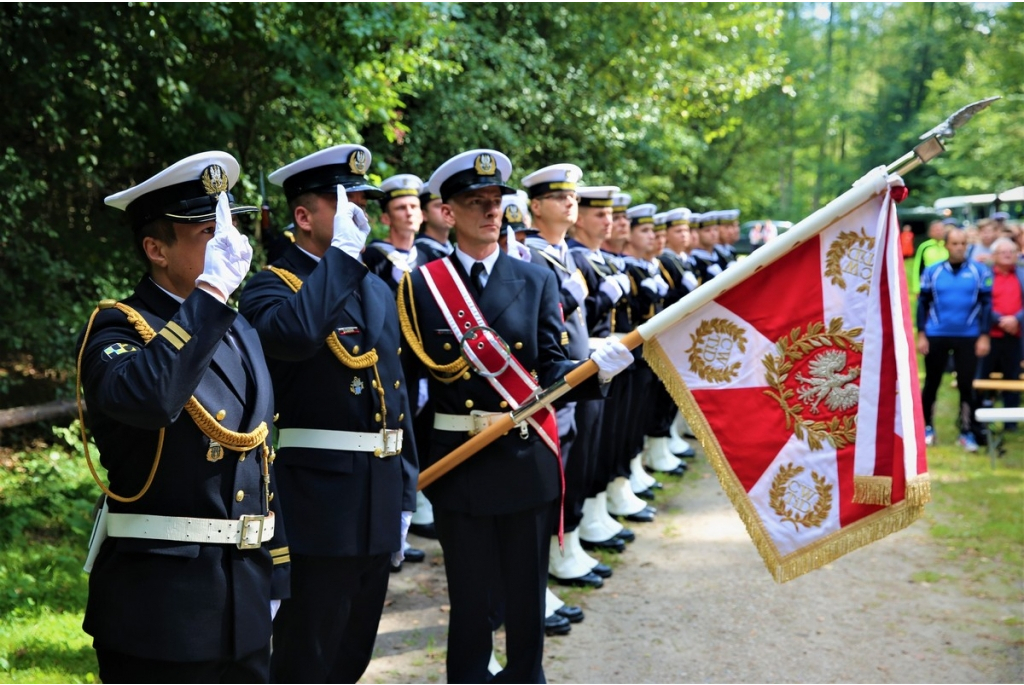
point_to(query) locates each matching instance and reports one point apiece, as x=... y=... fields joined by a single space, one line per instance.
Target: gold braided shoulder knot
x=239 y=442
x=446 y=373
x=362 y=361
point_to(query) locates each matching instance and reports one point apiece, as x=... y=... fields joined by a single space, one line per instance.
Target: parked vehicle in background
x=754 y=234
x=971 y=208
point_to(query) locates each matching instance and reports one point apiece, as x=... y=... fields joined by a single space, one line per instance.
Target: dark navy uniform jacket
x=706 y=264
x=679 y=275
x=520 y=301
x=165 y=600
x=377 y=261
x=574 y=316
x=341 y=503
x=595 y=269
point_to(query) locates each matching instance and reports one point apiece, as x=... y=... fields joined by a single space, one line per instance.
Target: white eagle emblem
x=827 y=384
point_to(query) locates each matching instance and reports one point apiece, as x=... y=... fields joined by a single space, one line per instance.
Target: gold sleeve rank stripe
x=174 y=334
x=281 y=555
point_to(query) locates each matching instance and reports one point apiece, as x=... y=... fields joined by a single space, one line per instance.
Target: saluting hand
x=350 y=226
x=228 y=255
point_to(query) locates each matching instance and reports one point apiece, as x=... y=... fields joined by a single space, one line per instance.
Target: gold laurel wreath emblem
x=840 y=247
x=704 y=370
x=838 y=432
x=776 y=498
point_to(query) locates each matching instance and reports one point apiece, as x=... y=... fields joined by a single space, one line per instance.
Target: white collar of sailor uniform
x=558 y=251
x=703 y=254
x=468 y=262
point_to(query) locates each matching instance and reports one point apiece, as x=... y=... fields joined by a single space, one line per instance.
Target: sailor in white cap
x=704 y=258
x=396 y=255
x=432 y=242
x=173 y=371
x=728 y=235
x=348 y=461
x=493 y=512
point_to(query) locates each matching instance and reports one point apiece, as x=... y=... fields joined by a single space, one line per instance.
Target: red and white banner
x=796 y=370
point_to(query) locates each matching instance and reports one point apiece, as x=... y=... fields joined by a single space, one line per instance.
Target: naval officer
x=347 y=458
x=492 y=512
x=195 y=560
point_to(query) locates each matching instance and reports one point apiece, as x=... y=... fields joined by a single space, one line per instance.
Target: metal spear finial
x=932 y=146
x=947 y=129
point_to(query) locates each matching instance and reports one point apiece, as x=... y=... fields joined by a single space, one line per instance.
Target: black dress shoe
x=396 y=569
x=574 y=614
x=613 y=544
x=647 y=494
x=645 y=515
x=415 y=556
x=424 y=530
x=555 y=624
x=588 y=580
x=677 y=471
x=602 y=570
x=657 y=485
x=626 y=535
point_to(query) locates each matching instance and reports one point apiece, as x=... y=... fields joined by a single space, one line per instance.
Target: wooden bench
x=988 y=415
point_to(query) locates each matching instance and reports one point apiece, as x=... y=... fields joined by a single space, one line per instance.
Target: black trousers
x=325 y=632
x=661 y=410
x=116 y=667
x=965 y=362
x=496 y=560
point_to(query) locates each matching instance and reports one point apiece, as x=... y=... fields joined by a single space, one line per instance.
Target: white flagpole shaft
x=873 y=183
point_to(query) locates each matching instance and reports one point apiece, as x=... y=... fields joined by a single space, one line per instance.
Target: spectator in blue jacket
x=953 y=318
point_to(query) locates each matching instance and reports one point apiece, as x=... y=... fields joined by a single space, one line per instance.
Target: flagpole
x=869 y=185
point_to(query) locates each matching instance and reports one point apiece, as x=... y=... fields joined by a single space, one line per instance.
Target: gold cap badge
x=357 y=162
x=215 y=179
x=484 y=165
x=513 y=215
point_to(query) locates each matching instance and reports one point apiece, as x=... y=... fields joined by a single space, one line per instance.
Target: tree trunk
x=19 y=416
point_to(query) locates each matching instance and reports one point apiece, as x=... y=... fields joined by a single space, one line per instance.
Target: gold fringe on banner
x=872 y=490
x=919 y=490
x=814 y=556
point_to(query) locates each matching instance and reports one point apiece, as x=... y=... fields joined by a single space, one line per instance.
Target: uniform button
x=399 y=350
x=469 y=404
x=221 y=414
x=273 y=456
x=519 y=345
x=276 y=417
x=373 y=384
x=240 y=495
x=270 y=497
x=355 y=349
x=377 y=417
x=503 y=404
x=241 y=457
x=401 y=417
x=466 y=376
x=398 y=384
x=447 y=346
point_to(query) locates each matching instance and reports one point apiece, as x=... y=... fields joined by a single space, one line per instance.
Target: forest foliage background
x=769 y=107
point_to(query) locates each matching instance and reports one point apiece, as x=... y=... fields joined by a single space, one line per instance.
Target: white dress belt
x=384 y=443
x=471 y=423
x=247 y=532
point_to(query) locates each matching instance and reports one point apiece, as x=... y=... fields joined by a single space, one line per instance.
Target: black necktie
x=476 y=277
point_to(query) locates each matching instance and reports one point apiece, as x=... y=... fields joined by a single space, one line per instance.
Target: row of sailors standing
x=617 y=267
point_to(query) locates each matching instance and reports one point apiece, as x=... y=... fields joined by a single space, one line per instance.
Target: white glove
x=574 y=288
x=689 y=280
x=651 y=286
x=611 y=289
x=275 y=604
x=350 y=226
x=662 y=285
x=516 y=249
x=228 y=255
x=612 y=358
x=624 y=282
x=398 y=557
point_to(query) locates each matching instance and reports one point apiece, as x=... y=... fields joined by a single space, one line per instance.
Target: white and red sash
x=487 y=352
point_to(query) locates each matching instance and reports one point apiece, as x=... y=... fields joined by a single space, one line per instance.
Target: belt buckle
x=481 y=420
x=246 y=520
x=392 y=439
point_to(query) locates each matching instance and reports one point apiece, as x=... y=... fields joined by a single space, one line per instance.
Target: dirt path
x=691 y=601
